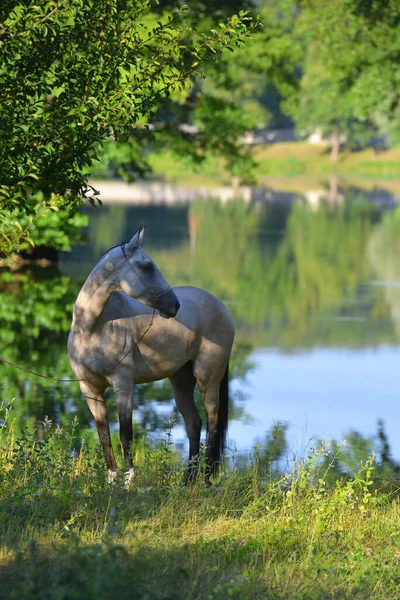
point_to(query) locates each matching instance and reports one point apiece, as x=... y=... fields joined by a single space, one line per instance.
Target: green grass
x=66 y=534
x=283 y=160
x=301 y=158
x=176 y=170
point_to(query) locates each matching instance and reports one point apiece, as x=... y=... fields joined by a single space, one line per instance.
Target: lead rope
x=154 y=297
x=84 y=378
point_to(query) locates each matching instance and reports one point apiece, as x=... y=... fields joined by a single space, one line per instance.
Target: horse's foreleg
x=123 y=390
x=98 y=408
x=183 y=383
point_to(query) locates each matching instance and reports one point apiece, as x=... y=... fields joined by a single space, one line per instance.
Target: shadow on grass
x=107 y=571
x=213 y=570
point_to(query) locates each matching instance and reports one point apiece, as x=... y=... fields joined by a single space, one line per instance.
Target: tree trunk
x=333 y=189
x=335 y=148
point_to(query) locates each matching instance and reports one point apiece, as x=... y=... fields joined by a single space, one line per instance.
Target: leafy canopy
x=76 y=72
x=349 y=66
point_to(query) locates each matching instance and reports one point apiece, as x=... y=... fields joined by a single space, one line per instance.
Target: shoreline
x=281 y=190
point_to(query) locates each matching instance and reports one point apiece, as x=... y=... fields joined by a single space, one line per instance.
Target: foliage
x=56 y=229
x=43 y=304
x=364 y=53
x=125 y=159
x=36 y=305
x=323 y=105
x=65 y=86
x=349 y=72
x=220 y=107
x=304 y=67
x=237 y=94
x=334 y=65
x=64 y=532
x=343 y=460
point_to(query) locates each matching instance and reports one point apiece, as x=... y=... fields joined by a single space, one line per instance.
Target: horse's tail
x=217 y=438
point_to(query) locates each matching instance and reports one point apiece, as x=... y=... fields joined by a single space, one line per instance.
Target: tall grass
x=66 y=534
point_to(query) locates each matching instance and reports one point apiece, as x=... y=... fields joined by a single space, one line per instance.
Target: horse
x=130 y=327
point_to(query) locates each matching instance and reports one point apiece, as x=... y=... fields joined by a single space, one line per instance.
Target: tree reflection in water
x=272 y=457
x=293 y=278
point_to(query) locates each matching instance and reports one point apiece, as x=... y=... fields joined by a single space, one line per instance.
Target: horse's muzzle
x=167 y=305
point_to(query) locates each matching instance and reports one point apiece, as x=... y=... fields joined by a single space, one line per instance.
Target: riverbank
x=65 y=533
x=281 y=170
x=294 y=159
x=299 y=161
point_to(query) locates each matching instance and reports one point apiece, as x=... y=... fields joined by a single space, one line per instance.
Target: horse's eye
x=147 y=265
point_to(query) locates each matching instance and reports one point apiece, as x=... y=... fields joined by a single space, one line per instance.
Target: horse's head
x=140 y=278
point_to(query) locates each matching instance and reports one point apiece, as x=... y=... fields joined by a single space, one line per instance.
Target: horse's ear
x=136 y=240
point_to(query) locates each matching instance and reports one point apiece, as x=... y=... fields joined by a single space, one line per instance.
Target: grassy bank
x=66 y=534
x=299 y=158
x=296 y=160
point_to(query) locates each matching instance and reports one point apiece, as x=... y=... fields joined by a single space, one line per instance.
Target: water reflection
x=36 y=304
x=317 y=339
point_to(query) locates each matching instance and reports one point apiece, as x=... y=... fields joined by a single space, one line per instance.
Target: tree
x=233 y=98
x=219 y=107
x=349 y=67
x=75 y=73
x=359 y=43
x=322 y=104
x=335 y=65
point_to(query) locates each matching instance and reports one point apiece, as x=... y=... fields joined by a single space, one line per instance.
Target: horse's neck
x=92 y=299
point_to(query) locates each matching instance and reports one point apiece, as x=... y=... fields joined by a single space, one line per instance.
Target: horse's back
x=197 y=305
x=200 y=311
x=207 y=313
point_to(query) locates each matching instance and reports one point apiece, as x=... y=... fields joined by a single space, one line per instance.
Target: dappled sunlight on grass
x=255 y=533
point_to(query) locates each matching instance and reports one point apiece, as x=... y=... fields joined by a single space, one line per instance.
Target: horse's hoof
x=129 y=477
x=111 y=476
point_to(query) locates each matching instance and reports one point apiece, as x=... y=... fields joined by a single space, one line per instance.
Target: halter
x=154 y=296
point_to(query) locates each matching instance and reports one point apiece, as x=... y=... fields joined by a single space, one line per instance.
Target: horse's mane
x=104 y=253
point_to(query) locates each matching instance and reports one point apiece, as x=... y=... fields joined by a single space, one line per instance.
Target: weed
x=256 y=533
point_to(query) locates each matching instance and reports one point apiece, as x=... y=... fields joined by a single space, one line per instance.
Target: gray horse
x=123 y=332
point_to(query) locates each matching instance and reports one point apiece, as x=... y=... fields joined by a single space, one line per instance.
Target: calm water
x=314 y=292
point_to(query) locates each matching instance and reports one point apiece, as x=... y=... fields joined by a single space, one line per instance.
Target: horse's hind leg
x=98 y=408
x=210 y=397
x=183 y=383
x=214 y=391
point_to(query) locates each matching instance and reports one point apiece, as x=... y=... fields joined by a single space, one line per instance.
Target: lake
x=313 y=287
